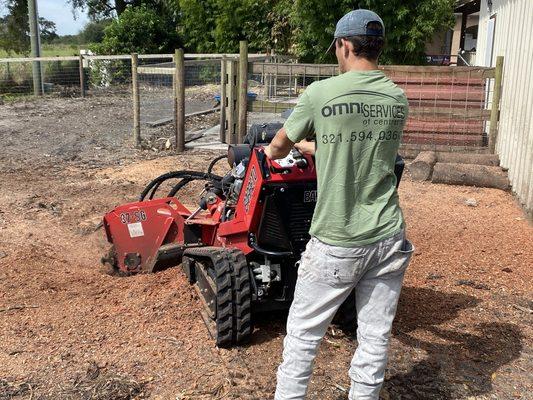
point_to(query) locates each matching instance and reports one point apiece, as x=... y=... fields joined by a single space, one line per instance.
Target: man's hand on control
x=306 y=147
x=268 y=152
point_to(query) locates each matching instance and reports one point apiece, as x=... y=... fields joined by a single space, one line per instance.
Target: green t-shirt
x=358 y=118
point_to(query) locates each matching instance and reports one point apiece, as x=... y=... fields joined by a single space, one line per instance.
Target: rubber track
x=224 y=297
x=233 y=316
x=242 y=321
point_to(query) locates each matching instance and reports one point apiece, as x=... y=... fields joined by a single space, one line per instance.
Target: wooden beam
x=179 y=100
x=494 y=116
x=243 y=91
x=464 y=17
x=442 y=112
x=223 y=83
x=322 y=70
x=231 y=101
x=268 y=106
x=136 y=101
x=82 y=76
x=461 y=113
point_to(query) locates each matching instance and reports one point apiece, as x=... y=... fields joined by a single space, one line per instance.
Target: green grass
x=51 y=50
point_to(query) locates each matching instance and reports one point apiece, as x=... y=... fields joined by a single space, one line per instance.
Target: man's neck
x=361 y=64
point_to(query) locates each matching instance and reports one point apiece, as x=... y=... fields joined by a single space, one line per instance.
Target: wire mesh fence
x=449 y=106
x=98 y=75
x=65 y=76
x=103 y=74
x=59 y=76
x=156 y=77
x=158 y=98
x=276 y=84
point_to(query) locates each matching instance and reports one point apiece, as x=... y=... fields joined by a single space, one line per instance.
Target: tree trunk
x=120 y=6
x=470 y=175
x=422 y=166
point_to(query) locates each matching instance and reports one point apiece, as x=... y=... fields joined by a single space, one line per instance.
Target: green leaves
x=303 y=28
x=408 y=25
x=139 y=29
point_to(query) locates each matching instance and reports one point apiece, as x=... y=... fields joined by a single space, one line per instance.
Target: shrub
x=141 y=30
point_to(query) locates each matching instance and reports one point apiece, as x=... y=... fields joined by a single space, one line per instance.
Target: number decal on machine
x=137 y=216
x=310 y=196
x=250 y=189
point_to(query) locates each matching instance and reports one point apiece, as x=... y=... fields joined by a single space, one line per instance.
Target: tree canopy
x=93 y=31
x=138 y=29
x=101 y=9
x=408 y=25
x=15 y=28
x=303 y=28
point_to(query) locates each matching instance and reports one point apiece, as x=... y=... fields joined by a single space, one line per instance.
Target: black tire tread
x=233 y=300
x=224 y=296
x=242 y=327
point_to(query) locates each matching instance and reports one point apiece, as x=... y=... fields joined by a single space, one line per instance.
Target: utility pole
x=35 y=39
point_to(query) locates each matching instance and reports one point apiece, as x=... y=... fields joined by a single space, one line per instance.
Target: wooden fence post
x=136 y=100
x=82 y=77
x=243 y=91
x=223 y=100
x=495 y=108
x=231 y=92
x=179 y=100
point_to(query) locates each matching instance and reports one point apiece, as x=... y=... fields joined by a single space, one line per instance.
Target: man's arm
x=297 y=127
x=280 y=146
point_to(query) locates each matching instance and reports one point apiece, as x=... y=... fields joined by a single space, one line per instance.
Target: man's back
x=358 y=118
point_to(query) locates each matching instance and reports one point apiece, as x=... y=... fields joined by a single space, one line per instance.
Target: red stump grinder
x=241 y=247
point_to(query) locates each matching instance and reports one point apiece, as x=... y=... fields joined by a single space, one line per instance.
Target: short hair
x=369 y=47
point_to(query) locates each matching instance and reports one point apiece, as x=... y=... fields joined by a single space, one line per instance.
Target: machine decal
x=250 y=189
x=137 y=216
x=136 y=229
x=310 y=196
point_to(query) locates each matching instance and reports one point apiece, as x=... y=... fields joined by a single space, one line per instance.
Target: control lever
x=262 y=158
x=300 y=160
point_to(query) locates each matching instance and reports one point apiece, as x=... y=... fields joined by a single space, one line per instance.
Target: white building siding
x=513 y=35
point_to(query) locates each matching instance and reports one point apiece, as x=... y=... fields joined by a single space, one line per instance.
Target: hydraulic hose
x=212 y=164
x=179 y=185
x=192 y=175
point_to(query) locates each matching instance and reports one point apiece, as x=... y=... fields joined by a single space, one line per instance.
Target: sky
x=60 y=12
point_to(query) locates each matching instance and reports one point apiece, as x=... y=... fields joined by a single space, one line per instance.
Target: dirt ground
x=69 y=330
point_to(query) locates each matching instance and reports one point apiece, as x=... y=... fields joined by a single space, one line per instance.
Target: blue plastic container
x=251 y=97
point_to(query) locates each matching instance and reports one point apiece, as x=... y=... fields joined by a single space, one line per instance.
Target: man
x=358 y=238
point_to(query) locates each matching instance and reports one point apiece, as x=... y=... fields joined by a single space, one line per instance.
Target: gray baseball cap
x=355 y=23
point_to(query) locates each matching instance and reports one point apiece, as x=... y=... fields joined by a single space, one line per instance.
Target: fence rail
x=128 y=57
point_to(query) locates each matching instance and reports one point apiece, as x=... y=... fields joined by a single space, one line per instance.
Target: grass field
x=50 y=50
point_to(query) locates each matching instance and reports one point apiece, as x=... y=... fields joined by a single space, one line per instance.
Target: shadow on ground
x=458 y=362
